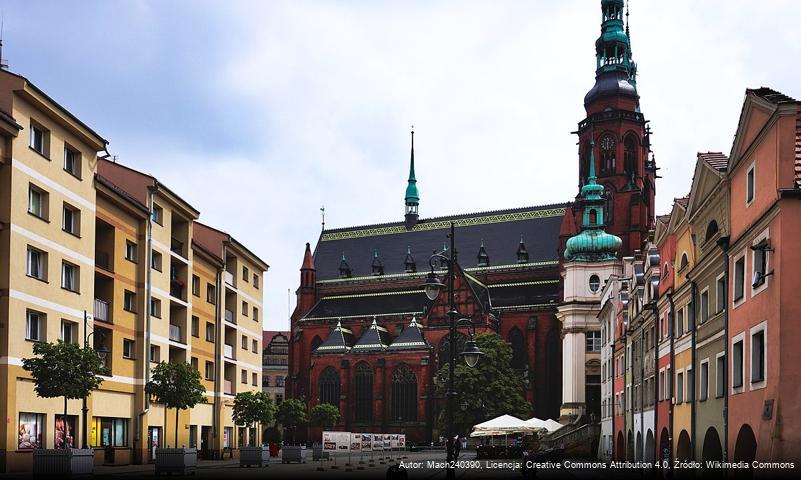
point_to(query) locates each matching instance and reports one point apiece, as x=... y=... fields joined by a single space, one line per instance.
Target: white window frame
x=74 y=284
x=41 y=319
x=75 y=227
x=130 y=247
x=662 y=389
x=41 y=264
x=719 y=371
x=761 y=327
x=72 y=327
x=751 y=168
x=740 y=337
x=763 y=236
x=736 y=303
x=679 y=383
x=704 y=314
x=720 y=302
x=689 y=371
x=44 y=201
x=132 y=343
x=76 y=172
x=703 y=394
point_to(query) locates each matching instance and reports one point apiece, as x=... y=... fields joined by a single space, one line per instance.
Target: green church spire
x=412 y=195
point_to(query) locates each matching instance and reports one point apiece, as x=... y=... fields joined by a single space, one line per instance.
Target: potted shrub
x=251 y=409
x=291 y=414
x=176 y=385
x=70 y=371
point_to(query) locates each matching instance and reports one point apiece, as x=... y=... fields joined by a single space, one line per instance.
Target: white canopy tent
x=504 y=424
x=547 y=425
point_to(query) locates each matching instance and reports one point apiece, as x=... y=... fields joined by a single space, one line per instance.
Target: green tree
x=292 y=414
x=252 y=408
x=64 y=370
x=489 y=389
x=176 y=385
x=324 y=415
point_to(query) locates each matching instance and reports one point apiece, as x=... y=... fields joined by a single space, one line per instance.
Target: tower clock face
x=607 y=143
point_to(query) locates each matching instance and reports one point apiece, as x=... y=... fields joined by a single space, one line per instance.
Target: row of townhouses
x=93 y=251
x=699 y=354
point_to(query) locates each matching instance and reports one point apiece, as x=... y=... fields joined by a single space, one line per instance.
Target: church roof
x=716 y=160
x=524 y=294
x=500 y=231
x=339 y=341
x=375 y=338
x=411 y=338
x=368 y=304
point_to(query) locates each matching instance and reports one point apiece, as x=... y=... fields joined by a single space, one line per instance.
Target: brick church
x=365 y=338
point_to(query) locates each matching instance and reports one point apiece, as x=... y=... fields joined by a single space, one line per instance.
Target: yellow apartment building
x=87 y=240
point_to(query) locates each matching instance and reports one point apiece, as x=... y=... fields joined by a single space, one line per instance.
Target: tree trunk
x=65 y=423
x=176 y=427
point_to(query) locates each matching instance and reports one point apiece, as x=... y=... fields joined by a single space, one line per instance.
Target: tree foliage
x=324 y=415
x=176 y=385
x=64 y=370
x=292 y=414
x=251 y=408
x=490 y=389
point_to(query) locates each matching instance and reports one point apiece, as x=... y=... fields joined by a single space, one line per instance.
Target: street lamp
x=432 y=287
x=102 y=351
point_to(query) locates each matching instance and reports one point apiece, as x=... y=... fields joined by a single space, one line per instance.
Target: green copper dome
x=593 y=244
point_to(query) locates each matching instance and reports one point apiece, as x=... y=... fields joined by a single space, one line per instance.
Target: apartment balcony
x=103 y=260
x=228 y=351
x=177 y=246
x=228 y=387
x=177 y=289
x=229 y=278
x=175 y=334
x=229 y=316
x=102 y=311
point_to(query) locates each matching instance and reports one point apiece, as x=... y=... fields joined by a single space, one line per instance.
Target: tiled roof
x=522 y=294
x=368 y=304
x=340 y=340
x=771 y=95
x=716 y=160
x=411 y=338
x=375 y=338
x=500 y=231
x=663 y=218
x=683 y=201
x=268 y=335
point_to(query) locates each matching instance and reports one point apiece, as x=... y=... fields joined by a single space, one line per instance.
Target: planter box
x=69 y=462
x=293 y=453
x=180 y=460
x=258 y=456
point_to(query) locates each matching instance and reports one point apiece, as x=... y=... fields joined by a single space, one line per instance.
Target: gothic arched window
x=364 y=393
x=329 y=387
x=444 y=348
x=519 y=351
x=711 y=230
x=608 y=146
x=630 y=155
x=404 y=394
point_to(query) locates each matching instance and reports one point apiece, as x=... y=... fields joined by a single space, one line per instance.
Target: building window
x=65 y=431
x=680 y=387
x=155 y=307
x=36 y=264
x=155 y=353
x=758 y=356
x=720 y=371
x=720 y=294
x=749 y=185
x=130 y=251
x=265 y=381
x=519 y=350
x=594 y=341
x=72 y=162
x=244 y=376
x=329 y=387
x=155 y=261
x=244 y=342
x=255 y=314
x=194 y=363
x=760 y=258
x=404 y=394
x=209 y=332
x=680 y=322
x=211 y=294
x=69 y=276
x=245 y=273
x=209 y=370
x=39 y=139
x=245 y=308
x=363 y=413
x=254 y=379
x=608 y=147
x=630 y=155
x=704 y=306
x=129 y=301
x=69 y=331
x=739 y=278
x=279 y=381
x=595 y=283
x=737 y=364
x=30 y=431
x=254 y=347
x=34 y=326
x=127 y=348
x=255 y=281
x=195 y=285
x=38 y=201
x=158 y=214
x=684 y=261
x=690 y=385
x=661 y=385
x=195 y=326
x=71 y=220
x=704 y=392
x=109 y=432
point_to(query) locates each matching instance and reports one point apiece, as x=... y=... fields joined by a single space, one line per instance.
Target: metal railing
x=175 y=333
x=229 y=278
x=102 y=311
x=229 y=316
x=228 y=351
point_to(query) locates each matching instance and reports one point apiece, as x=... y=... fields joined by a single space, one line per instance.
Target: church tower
x=412 y=195
x=615 y=136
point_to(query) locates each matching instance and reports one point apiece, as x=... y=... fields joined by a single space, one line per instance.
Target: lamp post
x=471 y=354
x=101 y=352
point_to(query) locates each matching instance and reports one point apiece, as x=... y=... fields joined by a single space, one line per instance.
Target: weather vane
x=322 y=212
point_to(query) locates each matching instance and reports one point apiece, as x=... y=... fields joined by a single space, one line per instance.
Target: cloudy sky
x=258 y=113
